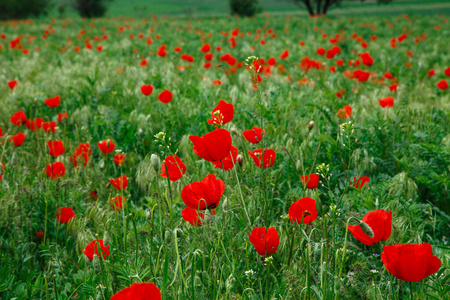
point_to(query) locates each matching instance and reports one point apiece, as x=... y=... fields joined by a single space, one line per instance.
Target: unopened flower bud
x=13 y=161
x=366 y=229
x=154 y=159
x=311 y=125
x=106 y=239
x=240 y=160
x=205 y=278
x=197 y=282
x=148 y=215
x=168 y=236
x=225 y=204
x=96 y=263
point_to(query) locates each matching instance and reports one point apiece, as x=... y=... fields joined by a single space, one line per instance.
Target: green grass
x=404 y=150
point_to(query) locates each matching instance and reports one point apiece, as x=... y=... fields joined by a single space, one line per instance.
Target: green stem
x=291 y=248
x=242 y=197
x=345 y=245
x=170 y=190
x=136 y=236
x=308 y=284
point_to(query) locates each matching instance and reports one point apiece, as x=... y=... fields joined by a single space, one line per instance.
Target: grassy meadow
x=141 y=88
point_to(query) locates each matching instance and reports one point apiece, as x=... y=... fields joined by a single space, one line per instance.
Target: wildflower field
x=276 y=157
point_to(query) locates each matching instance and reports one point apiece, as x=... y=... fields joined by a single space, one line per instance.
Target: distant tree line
x=22 y=9
x=247 y=8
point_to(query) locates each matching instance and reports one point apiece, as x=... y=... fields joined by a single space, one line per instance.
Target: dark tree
x=320 y=7
x=13 y=9
x=245 y=8
x=91 y=8
x=317 y=7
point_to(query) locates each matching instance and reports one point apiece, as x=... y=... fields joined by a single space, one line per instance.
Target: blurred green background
x=144 y=8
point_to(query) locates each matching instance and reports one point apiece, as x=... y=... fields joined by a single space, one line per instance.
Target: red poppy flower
x=205 y=48
x=393 y=87
x=175 y=167
x=117 y=202
x=379 y=221
x=177 y=49
x=165 y=96
x=303 y=211
x=139 y=291
x=367 y=60
x=120 y=183
x=311 y=181
x=360 y=183
x=62 y=116
x=186 y=57
x=193 y=216
x=387 y=75
x=106 y=146
x=447 y=71
x=213 y=146
x=81 y=154
x=272 y=61
x=35 y=124
x=222 y=113
x=93 y=195
x=1 y=132
x=265 y=240
x=263 y=158
x=94 y=247
x=12 y=84
x=208 y=56
x=228 y=162
x=55 y=170
x=64 y=215
x=345 y=112
x=147 y=89
x=431 y=73
x=203 y=194
x=321 y=51
x=410 y=262
x=442 y=85
x=53 y=102
x=49 y=127
x=143 y=62
x=254 y=135
x=387 y=102
x=39 y=234
x=18 y=139
x=56 y=148
x=285 y=54
x=119 y=159
x=161 y=52
x=19 y=118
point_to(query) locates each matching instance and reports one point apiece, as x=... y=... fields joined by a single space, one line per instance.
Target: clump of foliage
x=91 y=8
x=245 y=8
x=13 y=9
x=317 y=7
